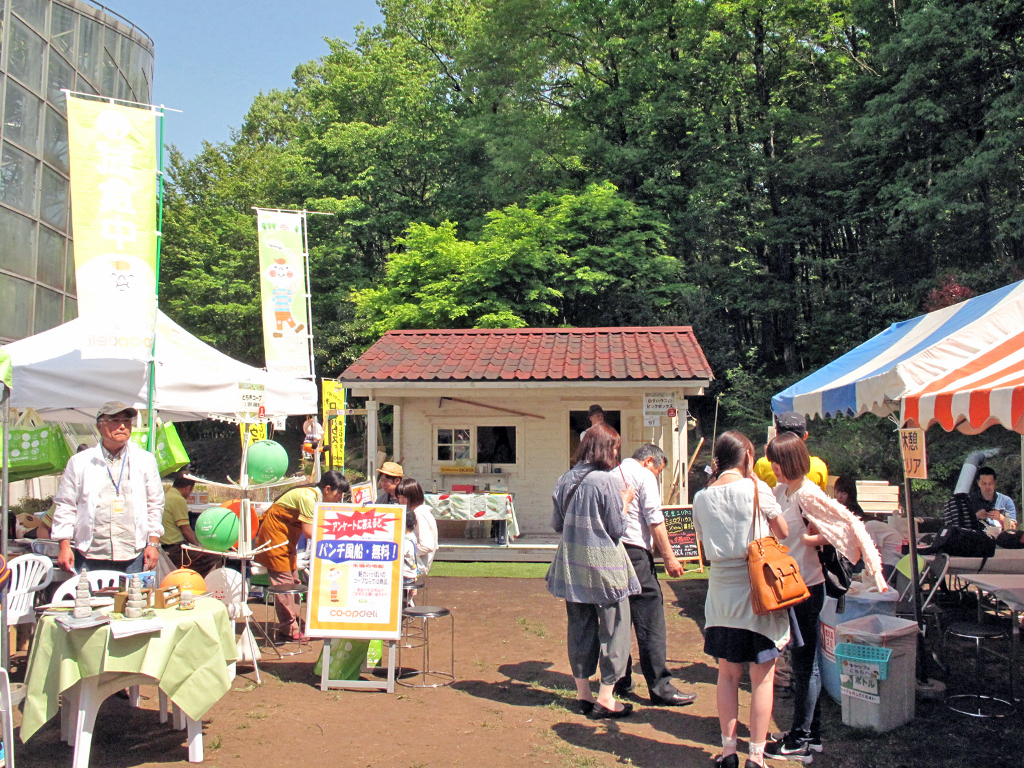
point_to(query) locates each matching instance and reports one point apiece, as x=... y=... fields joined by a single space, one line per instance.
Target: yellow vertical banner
x=912 y=449
x=334 y=399
x=113 y=157
x=355 y=576
x=286 y=339
x=251 y=433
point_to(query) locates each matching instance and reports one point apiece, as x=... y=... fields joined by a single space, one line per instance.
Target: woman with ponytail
x=723 y=516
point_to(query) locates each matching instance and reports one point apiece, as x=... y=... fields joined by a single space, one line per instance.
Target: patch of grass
x=535 y=629
x=527 y=571
x=257 y=715
x=214 y=742
x=490 y=570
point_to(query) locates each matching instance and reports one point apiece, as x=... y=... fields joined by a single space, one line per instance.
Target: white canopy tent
x=193 y=380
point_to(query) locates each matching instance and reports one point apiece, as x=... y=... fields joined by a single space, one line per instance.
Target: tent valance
x=193 y=380
x=911 y=356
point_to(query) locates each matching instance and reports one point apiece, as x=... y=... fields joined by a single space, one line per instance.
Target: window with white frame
x=454 y=444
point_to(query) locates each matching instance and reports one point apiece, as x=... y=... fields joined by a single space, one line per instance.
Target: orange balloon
x=235 y=505
x=185 y=578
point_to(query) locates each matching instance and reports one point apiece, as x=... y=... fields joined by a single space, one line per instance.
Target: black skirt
x=739 y=646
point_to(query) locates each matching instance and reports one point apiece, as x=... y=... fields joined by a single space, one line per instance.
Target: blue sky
x=214 y=57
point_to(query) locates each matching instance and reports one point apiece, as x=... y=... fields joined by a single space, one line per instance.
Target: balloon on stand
x=185 y=578
x=235 y=505
x=217 y=529
x=267 y=461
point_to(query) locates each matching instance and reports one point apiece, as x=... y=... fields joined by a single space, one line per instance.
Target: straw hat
x=391 y=469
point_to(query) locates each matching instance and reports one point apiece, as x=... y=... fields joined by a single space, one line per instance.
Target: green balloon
x=217 y=529
x=267 y=461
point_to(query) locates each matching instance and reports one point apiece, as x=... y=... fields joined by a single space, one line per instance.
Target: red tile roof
x=533 y=354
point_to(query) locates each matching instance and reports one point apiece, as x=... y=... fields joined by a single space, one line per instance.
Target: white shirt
x=806 y=557
x=82 y=484
x=888 y=541
x=645 y=508
x=426 y=536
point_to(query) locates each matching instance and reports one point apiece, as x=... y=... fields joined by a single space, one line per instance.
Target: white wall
x=542 y=445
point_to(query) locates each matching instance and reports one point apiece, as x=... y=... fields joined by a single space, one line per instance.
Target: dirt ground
x=513 y=705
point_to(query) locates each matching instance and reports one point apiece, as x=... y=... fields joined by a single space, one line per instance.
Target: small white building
x=513 y=402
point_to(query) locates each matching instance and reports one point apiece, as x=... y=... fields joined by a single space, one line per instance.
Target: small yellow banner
x=915 y=460
x=334 y=399
x=454 y=470
x=112 y=151
x=251 y=433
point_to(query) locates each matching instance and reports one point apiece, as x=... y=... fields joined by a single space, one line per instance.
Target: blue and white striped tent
x=873 y=377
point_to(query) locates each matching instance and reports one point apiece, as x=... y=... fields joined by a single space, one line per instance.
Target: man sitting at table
x=993 y=509
x=178 y=529
x=110 y=501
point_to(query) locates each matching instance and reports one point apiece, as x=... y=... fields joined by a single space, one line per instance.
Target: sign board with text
x=682 y=535
x=915 y=460
x=355 y=578
x=362 y=494
x=659 y=403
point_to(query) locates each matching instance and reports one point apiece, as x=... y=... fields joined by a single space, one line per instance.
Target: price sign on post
x=915 y=460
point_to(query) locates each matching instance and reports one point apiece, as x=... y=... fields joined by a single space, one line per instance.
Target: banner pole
x=5 y=492
x=309 y=300
x=156 y=285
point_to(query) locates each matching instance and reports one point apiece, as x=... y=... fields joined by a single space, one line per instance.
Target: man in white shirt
x=110 y=501
x=645 y=528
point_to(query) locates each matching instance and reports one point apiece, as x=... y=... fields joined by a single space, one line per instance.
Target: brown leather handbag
x=775 y=580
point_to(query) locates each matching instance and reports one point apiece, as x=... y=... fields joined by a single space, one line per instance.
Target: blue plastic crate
x=866 y=654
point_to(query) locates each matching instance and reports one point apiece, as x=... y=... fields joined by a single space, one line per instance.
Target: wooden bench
x=877 y=497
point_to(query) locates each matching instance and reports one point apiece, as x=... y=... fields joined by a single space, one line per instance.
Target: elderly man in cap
x=110 y=501
x=389 y=476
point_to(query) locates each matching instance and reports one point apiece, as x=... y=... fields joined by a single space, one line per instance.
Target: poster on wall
x=355 y=579
x=112 y=154
x=286 y=339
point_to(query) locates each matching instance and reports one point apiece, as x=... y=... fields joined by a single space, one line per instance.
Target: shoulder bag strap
x=565 y=504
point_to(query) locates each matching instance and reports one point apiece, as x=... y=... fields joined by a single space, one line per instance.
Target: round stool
x=297 y=588
x=978 y=704
x=424 y=615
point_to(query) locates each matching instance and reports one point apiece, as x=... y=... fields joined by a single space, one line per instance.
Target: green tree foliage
x=788 y=176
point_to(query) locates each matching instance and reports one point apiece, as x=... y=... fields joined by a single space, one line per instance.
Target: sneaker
x=814 y=743
x=783 y=749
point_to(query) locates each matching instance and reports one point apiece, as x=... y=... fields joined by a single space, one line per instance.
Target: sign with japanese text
x=362 y=494
x=251 y=401
x=658 y=403
x=859 y=680
x=915 y=461
x=355 y=579
x=286 y=339
x=681 y=533
x=112 y=152
x=333 y=395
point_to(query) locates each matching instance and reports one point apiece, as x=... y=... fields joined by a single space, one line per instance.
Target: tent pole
x=156 y=287
x=922 y=657
x=5 y=504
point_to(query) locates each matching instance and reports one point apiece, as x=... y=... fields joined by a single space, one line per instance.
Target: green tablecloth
x=189 y=658
x=474 y=506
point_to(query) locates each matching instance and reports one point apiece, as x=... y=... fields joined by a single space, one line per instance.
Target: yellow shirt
x=302 y=499
x=818 y=474
x=175 y=515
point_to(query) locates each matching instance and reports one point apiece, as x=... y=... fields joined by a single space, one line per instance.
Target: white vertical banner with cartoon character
x=286 y=337
x=113 y=156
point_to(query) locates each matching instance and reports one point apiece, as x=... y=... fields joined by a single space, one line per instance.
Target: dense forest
x=788 y=177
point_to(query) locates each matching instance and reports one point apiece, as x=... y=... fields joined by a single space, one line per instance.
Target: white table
x=1007 y=588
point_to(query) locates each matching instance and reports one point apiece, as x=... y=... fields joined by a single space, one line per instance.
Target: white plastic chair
x=97 y=580
x=7 y=713
x=228 y=586
x=29 y=574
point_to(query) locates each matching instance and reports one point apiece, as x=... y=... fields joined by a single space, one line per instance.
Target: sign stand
x=355 y=583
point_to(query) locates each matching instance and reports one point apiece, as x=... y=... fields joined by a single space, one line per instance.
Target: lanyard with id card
x=117 y=505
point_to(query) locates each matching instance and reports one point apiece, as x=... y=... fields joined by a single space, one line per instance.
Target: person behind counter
x=389 y=476
x=410 y=495
x=887 y=539
x=178 y=529
x=289 y=517
x=110 y=501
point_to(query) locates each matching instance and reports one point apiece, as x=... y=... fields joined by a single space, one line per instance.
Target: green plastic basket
x=866 y=654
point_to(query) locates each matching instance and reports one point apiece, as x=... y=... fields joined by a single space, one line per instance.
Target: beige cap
x=391 y=469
